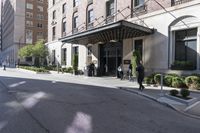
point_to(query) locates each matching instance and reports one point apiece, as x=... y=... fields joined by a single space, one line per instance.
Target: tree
x=38 y=51
x=26 y=51
x=135 y=60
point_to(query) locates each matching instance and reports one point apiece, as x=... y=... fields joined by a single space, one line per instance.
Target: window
x=139 y=2
x=29 y=23
x=39 y=35
x=53 y=33
x=40 y=8
x=29 y=6
x=75 y=50
x=29 y=15
x=39 y=25
x=186 y=46
x=40 y=1
x=89 y=50
x=64 y=7
x=75 y=3
x=54 y=14
x=28 y=59
x=75 y=23
x=40 y=16
x=110 y=8
x=64 y=27
x=64 y=56
x=29 y=36
x=90 y=16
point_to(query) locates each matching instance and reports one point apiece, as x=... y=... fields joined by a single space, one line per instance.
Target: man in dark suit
x=140 y=70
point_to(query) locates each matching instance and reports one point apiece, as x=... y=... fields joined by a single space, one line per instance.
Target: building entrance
x=110 y=58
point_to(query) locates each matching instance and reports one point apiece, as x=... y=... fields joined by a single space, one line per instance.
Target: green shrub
x=150 y=79
x=192 y=82
x=68 y=70
x=51 y=67
x=185 y=93
x=173 y=92
x=36 y=69
x=147 y=80
x=75 y=62
x=168 y=80
x=178 y=82
x=136 y=57
x=173 y=75
x=157 y=78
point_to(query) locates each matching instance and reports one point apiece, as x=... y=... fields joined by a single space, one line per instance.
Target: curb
x=163 y=103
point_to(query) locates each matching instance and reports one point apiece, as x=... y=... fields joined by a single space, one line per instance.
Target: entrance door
x=110 y=58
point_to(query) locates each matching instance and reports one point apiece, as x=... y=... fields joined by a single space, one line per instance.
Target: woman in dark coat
x=140 y=70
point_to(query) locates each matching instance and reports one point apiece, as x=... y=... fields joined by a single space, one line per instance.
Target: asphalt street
x=31 y=103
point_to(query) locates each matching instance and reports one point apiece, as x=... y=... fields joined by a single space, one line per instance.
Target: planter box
x=187 y=102
x=33 y=72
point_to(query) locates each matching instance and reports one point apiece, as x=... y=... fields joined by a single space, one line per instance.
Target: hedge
x=192 y=82
x=35 y=69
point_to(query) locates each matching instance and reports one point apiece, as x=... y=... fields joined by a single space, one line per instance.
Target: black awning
x=114 y=31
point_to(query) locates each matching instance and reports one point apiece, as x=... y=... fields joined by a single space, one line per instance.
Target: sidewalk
x=191 y=109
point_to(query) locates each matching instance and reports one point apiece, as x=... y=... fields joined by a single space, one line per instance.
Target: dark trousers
x=121 y=75
x=140 y=80
x=4 y=67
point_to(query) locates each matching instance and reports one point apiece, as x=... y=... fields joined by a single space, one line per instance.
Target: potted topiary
x=173 y=92
x=184 y=93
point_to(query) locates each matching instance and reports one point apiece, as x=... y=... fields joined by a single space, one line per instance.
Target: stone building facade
x=166 y=33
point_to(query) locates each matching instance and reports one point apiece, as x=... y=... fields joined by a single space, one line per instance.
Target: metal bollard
x=161 y=85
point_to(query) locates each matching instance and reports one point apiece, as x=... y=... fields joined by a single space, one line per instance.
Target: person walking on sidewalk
x=4 y=65
x=140 y=70
x=120 y=71
x=130 y=72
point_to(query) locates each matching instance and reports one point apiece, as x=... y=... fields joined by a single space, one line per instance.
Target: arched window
x=183 y=43
x=75 y=22
x=110 y=10
x=90 y=16
x=64 y=27
x=75 y=3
